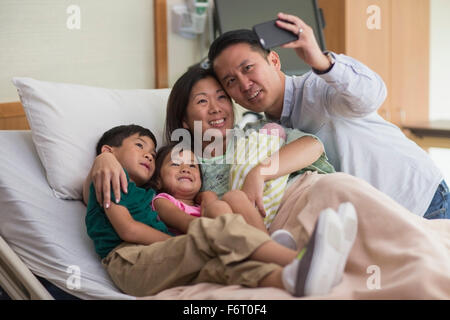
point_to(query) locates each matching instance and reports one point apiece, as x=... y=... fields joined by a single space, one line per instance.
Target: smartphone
x=271 y=36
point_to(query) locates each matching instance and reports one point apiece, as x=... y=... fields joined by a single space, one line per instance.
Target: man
x=336 y=101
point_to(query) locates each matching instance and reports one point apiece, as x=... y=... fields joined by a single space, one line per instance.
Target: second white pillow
x=67 y=120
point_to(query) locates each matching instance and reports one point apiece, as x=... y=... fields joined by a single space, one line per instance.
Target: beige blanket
x=396 y=255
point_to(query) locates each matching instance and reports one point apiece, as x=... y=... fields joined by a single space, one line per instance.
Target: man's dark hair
x=115 y=136
x=234 y=37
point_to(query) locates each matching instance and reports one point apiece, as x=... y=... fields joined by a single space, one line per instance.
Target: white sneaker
x=284 y=238
x=316 y=265
x=349 y=220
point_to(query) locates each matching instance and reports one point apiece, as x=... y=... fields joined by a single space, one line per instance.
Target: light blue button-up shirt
x=340 y=108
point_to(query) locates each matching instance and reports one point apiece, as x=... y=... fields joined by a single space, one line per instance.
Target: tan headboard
x=160 y=34
x=12 y=117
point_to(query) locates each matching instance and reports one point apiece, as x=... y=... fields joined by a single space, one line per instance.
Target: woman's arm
x=171 y=215
x=291 y=157
x=130 y=230
x=105 y=172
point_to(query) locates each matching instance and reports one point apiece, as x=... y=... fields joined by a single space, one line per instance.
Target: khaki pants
x=213 y=250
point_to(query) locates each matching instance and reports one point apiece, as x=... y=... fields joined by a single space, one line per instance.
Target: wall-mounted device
x=188 y=20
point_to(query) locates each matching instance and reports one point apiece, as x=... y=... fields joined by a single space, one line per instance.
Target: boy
x=132 y=221
x=142 y=258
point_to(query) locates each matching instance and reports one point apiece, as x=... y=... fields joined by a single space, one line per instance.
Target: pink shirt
x=191 y=210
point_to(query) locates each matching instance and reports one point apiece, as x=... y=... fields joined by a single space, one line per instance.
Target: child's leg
x=216 y=208
x=273 y=280
x=213 y=250
x=274 y=252
x=227 y=246
x=317 y=267
x=239 y=203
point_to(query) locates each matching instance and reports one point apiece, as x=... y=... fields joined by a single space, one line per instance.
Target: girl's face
x=209 y=104
x=180 y=175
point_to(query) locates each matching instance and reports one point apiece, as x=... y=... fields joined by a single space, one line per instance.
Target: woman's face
x=211 y=106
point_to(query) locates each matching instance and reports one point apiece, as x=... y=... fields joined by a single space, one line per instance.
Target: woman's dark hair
x=179 y=98
x=234 y=37
x=115 y=136
x=159 y=159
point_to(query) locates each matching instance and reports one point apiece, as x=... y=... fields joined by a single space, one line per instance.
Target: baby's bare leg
x=240 y=204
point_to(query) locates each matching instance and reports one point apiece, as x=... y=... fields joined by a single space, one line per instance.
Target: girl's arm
x=130 y=230
x=291 y=157
x=105 y=172
x=171 y=215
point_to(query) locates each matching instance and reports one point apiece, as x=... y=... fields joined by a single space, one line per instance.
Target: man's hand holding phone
x=271 y=36
x=299 y=37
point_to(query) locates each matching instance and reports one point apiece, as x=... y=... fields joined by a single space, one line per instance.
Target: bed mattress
x=47 y=233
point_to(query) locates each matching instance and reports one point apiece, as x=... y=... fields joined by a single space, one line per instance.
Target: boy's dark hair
x=115 y=136
x=179 y=98
x=234 y=37
x=159 y=159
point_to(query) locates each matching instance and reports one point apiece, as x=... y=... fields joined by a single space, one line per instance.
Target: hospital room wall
x=112 y=48
x=440 y=75
x=439 y=65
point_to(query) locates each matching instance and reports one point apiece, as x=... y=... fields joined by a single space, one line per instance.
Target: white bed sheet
x=40 y=227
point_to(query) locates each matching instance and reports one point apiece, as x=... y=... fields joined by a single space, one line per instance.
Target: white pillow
x=67 y=120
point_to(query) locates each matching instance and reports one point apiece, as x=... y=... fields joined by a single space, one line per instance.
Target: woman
x=198 y=108
x=396 y=254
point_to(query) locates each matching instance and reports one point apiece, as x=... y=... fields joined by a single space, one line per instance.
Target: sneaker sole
x=317 y=269
x=349 y=219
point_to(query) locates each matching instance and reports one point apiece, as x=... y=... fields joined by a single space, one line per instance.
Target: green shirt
x=216 y=170
x=137 y=201
x=216 y=173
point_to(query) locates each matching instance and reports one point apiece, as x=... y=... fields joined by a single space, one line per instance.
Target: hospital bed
x=42 y=229
x=44 y=247
x=42 y=235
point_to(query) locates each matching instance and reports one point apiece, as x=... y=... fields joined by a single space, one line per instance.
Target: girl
x=178 y=179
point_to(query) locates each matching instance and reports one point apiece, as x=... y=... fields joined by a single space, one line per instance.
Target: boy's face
x=254 y=82
x=180 y=175
x=137 y=156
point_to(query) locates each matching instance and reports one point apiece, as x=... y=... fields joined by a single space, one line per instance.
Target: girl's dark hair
x=115 y=136
x=160 y=156
x=179 y=98
x=234 y=37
